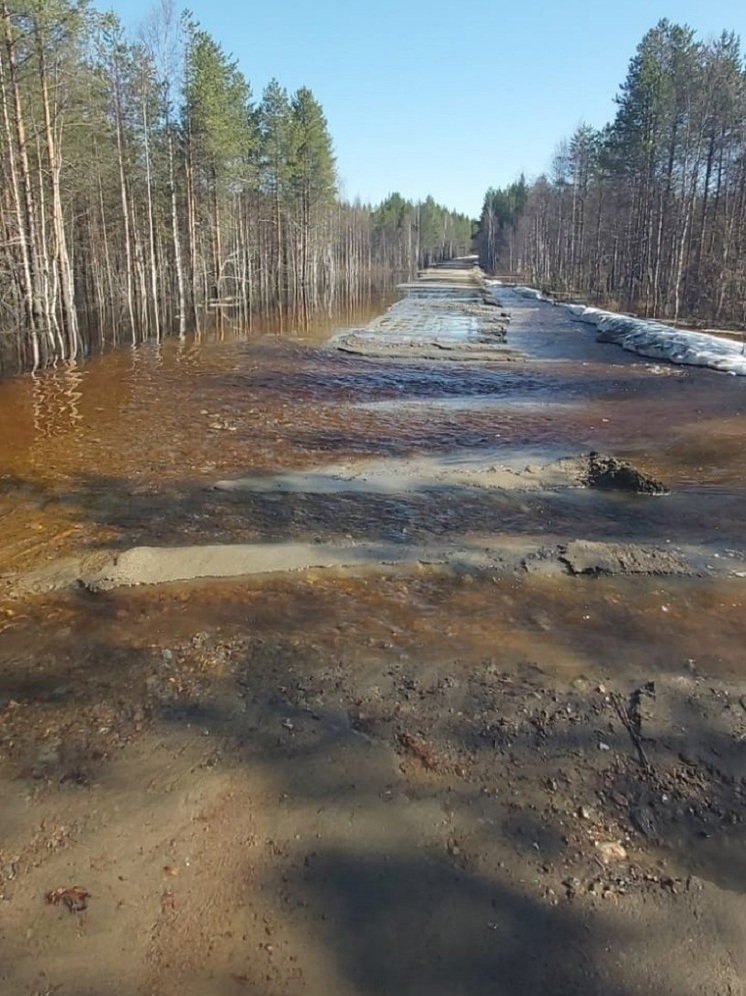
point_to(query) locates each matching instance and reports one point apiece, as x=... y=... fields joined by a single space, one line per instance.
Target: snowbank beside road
x=650 y=338
x=531 y=292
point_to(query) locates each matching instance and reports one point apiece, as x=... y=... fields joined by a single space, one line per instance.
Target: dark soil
x=608 y=473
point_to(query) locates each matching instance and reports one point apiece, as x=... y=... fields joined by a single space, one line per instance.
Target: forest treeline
x=142 y=186
x=648 y=213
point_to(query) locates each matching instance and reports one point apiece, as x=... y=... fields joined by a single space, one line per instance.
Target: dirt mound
x=608 y=473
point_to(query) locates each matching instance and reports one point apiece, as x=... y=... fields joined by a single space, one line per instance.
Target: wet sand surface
x=411 y=774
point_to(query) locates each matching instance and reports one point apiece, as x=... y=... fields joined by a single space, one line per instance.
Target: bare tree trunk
x=191 y=223
x=176 y=237
x=62 y=258
x=151 y=223
x=110 y=297
x=39 y=305
x=124 y=201
x=27 y=284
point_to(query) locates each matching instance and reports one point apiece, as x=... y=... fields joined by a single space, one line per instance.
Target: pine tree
x=311 y=186
x=219 y=140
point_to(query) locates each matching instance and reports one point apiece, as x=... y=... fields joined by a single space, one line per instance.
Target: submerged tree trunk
x=20 y=229
x=61 y=255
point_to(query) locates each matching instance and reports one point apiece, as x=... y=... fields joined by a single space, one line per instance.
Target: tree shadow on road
x=417 y=816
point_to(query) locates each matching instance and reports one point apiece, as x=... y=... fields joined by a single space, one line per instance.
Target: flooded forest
x=146 y=192
x=371 y=602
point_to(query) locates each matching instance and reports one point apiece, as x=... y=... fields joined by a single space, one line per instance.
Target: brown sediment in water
x=264 y=783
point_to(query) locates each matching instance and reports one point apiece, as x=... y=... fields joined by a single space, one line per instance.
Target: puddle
x=595 y=626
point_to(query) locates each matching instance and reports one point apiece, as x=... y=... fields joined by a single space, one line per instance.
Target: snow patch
x=531 y=292
x=650 y=338
x=647 y=337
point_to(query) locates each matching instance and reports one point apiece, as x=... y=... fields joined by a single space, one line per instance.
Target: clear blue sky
x=440 y=97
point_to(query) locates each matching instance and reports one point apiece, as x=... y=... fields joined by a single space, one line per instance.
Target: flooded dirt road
x=455 y=767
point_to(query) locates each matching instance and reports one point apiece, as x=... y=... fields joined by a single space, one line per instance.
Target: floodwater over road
x=122 y=447
x=266 y=781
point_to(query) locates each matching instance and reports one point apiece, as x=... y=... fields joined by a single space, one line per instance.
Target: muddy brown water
x=137 y=775
x=123 y=448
